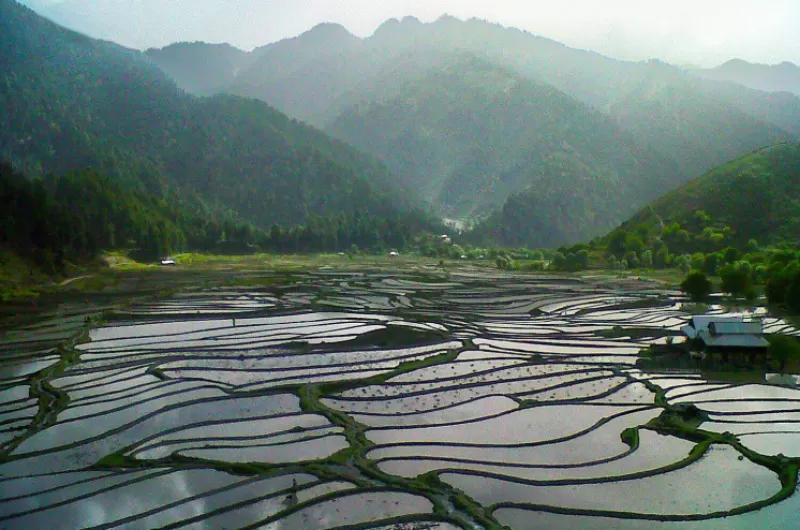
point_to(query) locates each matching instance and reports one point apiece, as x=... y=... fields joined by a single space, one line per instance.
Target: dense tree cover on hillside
x=75 y=216
x=479 y=140
x=474 y=136
x=716 y=220
x=72 y=103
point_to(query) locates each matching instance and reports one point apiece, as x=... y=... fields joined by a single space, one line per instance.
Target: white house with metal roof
x=726 y=332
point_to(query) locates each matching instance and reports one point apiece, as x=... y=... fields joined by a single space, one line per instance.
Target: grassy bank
x=20 y=279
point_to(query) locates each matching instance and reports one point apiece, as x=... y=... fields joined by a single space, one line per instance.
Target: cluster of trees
x=782 y=280
x=700 y=244
x=345 y=231
x=75 y=216
x=777 y=271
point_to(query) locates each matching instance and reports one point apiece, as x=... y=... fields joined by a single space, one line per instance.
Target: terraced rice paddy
x=384 y=401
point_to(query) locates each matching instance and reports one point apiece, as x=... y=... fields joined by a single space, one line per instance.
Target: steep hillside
x=673 y=115
x=567 y=202
x=469 y=134
x=370 y=92
x=73 y=102
x=756 y=197
x=783 y=77
x=301 y=76
x=781 y=109
x=199 y=68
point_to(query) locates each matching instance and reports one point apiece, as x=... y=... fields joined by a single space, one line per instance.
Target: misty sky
x=702 y=32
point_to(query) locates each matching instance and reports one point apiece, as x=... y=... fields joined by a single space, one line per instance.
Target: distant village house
x=727 y=334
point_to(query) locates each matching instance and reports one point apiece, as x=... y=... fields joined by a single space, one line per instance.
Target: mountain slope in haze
x=469 y=134
x=783 y=77
x=756 y=196
x=199 y=68
x=323 y=74
x=300 y=76
x=669 y=112
x=349 y=63
x=74 y=102
x=780 y=109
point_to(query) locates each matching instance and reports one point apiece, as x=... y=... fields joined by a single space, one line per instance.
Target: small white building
x=726 y=332
x=394 y=254
x=168 y=262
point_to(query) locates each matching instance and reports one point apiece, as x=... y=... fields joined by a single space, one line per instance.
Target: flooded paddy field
x=385 y=401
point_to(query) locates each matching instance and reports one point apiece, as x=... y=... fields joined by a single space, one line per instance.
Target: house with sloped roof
x=729 y=333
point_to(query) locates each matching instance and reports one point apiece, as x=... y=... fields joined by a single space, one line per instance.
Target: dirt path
x=70 y=280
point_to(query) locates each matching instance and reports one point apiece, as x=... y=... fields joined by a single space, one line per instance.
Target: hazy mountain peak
x=329 y=30
x=409 y=20
x=736 y=62
x=448 y=19
x=783 y=77
x=186 y=45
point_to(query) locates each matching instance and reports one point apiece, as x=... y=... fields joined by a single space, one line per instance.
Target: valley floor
x=312 y=393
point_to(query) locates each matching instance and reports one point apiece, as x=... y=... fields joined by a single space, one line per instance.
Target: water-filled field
x=386 y=401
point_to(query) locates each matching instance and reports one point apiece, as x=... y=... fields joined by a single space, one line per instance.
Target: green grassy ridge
x=757 y=196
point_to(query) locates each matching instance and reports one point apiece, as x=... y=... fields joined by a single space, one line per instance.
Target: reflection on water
x=230 y=408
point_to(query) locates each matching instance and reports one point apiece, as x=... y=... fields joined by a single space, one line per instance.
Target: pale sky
x=701 y=32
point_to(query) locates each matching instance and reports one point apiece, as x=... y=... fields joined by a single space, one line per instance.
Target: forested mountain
x=199 y=68
x=393 y=94
x=71 y=102
x=749 y=202
x=675 y=115
x=780 y=109
x=783 y=77
x=469 y=134
x=73 y=216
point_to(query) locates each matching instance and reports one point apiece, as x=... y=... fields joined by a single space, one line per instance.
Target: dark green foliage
x=792 y=297
x=748 y=203
x=76 y=216
x=736 y=279
x=783 y=349
x=71 y=103
x=697 y=286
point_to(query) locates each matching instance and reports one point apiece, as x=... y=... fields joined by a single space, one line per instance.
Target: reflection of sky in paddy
x=537 y=399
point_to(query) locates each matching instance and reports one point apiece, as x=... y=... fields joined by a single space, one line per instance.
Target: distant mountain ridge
x=470 y=134
x=783 y=77
x=315 y=86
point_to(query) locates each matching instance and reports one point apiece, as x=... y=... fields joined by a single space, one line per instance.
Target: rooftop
x=726 y=332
